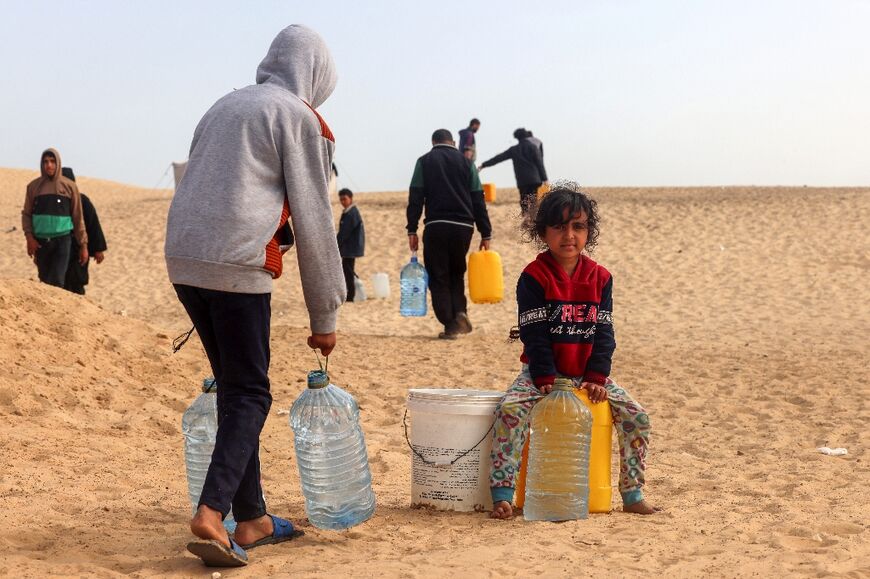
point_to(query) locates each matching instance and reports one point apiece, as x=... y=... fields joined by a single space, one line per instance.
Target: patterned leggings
x=512 y=427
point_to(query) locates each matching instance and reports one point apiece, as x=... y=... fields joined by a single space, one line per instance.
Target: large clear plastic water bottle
x=331 y=455
x=413 y=282
x=199 y=426
x=557 y=486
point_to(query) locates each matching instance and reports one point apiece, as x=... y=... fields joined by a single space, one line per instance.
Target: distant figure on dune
x=51 y=216
x=333 y=181
x=528 y=160
x=77 y=273
x=467 y=142
x=351 y=239
x=259 y=155
x=446 y=184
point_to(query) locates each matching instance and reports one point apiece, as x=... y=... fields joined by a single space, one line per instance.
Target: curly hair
x=550 y=211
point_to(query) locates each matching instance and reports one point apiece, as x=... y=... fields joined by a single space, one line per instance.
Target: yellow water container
x=485 y=277
x=543 y=190
x=489 y=192
x=600 y=491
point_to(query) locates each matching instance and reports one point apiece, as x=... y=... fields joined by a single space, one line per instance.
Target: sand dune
x=743 y=326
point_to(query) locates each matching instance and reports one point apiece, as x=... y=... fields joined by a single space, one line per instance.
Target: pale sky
x=621 y=92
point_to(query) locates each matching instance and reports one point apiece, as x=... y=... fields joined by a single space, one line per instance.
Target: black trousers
x=528 y=196
x=347 y=266
x=445 y=246
x=234 y=330
x=76 y=274
x=52 y=259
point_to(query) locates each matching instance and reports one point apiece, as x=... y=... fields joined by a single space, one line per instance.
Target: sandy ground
x=742 y=320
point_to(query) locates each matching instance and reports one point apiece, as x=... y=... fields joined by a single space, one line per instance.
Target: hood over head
x=299 y=61
x=57 y=173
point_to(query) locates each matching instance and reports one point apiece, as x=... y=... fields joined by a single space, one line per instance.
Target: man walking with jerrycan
x=259 y=155
x=447 y=185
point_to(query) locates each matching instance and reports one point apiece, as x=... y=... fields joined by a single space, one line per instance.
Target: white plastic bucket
x=380 y=286
x=451 y=438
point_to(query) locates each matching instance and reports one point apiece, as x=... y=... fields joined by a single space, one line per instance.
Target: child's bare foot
x=248 y=532
x=208 y=524
x=501 y=510
x=641 y=508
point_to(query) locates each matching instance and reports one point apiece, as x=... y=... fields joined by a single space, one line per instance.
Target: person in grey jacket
x=259 y=155
x=351 y=239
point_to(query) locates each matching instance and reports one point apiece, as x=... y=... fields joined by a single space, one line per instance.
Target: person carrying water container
x=565 y=305
x=259 y=155
x=447 y=185
x=528 y=160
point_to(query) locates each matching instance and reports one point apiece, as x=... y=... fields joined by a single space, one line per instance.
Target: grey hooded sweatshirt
x=260 y=153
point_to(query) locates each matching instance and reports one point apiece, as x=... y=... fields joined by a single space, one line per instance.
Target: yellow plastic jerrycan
x=485 y=277
x=489 y=192
x=600 y=491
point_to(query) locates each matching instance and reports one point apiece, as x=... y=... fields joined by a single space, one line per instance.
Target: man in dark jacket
x=467 y=143
x=77 y=273
x=447 y=185
x=528 y=159
x=351 y=239
x=50 y=218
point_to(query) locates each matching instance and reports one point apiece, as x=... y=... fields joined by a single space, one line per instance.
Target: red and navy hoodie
x=566 y=323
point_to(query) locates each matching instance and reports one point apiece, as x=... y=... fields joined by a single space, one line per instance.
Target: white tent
x=178 y=169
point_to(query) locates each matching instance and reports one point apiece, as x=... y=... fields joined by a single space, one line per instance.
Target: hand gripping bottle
x=413 y=281
x=557 y=484
x=199 y=426
x=331 y=455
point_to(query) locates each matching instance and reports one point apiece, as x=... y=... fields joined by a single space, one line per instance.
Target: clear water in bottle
x=199 y=426
x=557 y=486
x=413 y=282
x=331 y=455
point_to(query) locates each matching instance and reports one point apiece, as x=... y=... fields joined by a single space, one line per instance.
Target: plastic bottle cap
x=564 y=384
x=209 y=385
x=318 y=379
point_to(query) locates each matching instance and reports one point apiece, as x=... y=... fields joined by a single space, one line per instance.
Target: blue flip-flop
x=283 y=531
x=216 y=554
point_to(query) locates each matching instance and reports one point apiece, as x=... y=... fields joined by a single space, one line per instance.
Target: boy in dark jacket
x=77 y=272
x=351 y=239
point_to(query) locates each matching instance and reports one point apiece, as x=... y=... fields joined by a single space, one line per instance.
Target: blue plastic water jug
x=199 y=426
x=413 y=282
x=331 y=455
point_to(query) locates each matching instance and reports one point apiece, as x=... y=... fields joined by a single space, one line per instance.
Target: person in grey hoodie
x=260 y=161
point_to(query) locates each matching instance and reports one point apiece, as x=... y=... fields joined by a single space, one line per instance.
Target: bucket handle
x=432 y=462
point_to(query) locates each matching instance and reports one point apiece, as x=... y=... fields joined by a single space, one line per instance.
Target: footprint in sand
x=841 y=529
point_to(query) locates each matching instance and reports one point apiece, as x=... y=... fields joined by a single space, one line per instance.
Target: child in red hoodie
x=565 y=304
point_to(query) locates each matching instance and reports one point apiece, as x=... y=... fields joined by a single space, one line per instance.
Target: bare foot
x=248 y=532
x=208 y=524
x=641 y=508
x=501 y=510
